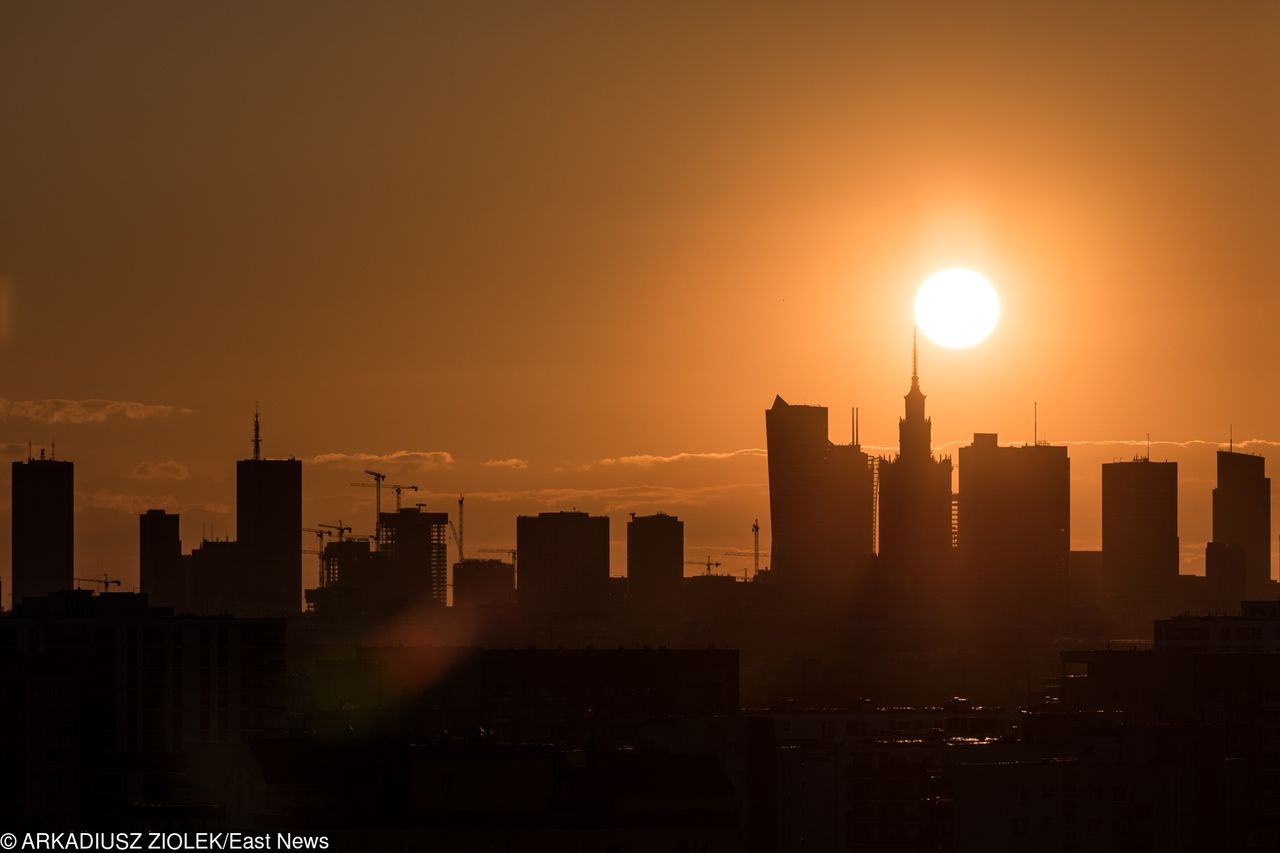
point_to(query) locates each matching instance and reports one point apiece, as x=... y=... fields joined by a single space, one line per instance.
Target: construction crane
x=320 y=534
x=378 y=477
x=457 y=531
x=339 y=527
x=707 y=563
x=395 y=487
x=754 y=553
x=105 y=581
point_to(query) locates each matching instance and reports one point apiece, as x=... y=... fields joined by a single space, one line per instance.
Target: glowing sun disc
x=957 y=308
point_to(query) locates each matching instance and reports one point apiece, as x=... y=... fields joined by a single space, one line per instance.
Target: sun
x=957 y=308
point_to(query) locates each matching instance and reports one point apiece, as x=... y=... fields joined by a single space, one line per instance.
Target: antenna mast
x=257 y=434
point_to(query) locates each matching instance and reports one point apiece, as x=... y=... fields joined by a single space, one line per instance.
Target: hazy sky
x=541 y=248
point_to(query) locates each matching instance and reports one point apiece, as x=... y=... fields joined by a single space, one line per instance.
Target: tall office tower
x=821 y=501
x=915 y=496
x=1242 y=516
x=160 y=573
x=43 y=527
x=564 y=562
x=655 y=561
x=269 y=531
x=1140 y=533
x=414 y=542
x=1015 y=521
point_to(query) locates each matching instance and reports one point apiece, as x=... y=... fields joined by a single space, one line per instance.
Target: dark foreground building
x=106 y=697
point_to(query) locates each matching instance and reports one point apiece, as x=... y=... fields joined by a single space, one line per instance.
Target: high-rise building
x=483 y=583
x=43 y=527
x=655 y=561
x=821 y=501
x=415 y=545
x=1242 y=516
x=1014 y=530
x=1140 y=533
x=160 y=573
x=564 y=562
x=269 y=531
x=914 y=510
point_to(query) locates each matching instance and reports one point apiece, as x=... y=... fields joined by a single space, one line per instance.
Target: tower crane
x=378 y=477
x=397 y=488
x=339 y=527
x=707 y=563
x=754 y=553
x=106 y=582
x=320 y=534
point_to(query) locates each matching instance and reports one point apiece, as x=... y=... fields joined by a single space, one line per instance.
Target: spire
x=915 y=373
x=257 y=434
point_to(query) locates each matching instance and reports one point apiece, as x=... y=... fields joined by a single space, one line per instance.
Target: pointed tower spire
x=257 y=434
x=915 y=373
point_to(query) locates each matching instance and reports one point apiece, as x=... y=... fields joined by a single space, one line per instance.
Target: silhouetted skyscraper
x=43 y=527
x=655 y=561
x=269 y=530
x=160 y=573
x=1015 y=521
x=415 y=544
x=1140 y=533
x=915 y=493
x=1242 y=516
x=564 y=561
x=483 y=583
x=820 y=501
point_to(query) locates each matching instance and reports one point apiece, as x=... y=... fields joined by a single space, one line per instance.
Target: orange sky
x=568 y=233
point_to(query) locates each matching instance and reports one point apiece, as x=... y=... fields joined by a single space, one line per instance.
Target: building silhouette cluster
x=533 y=699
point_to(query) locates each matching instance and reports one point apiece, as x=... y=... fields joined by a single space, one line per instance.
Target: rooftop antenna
x=257 y=434
x=856 y=442
x=1231 y=438
x=1035 y=424
x=1148 y=447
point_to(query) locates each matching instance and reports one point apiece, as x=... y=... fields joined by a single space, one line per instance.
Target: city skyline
x=498 y=511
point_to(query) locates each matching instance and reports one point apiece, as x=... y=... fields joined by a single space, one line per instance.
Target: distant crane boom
x=104 y=581
x=707 y=563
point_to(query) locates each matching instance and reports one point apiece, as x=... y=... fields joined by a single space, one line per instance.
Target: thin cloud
x=124 y=501
x=645 y=460
x=428 y=459
x=1107 y=442
x=14 y=450
x=513 y=462
x=615 y=498
x=57 y=411
x=169 y=469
